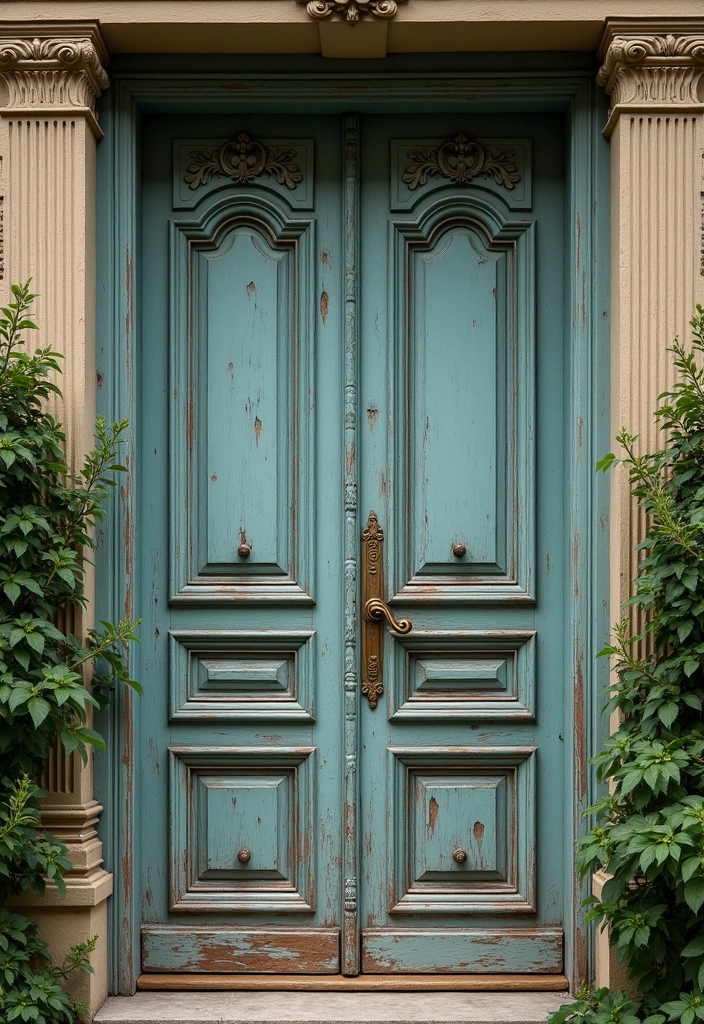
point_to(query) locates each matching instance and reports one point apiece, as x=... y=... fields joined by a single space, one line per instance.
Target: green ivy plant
x=47 y=515
x=649 y=830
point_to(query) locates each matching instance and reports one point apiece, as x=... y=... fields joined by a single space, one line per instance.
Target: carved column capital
x=52 y=68
x=652 y=65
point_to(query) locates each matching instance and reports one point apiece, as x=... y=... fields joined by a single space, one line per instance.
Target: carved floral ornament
x=655 y=68
x=242 y=159
x=351 y=10
x=461 y=159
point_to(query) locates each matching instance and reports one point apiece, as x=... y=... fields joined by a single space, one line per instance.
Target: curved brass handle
x=375 y=610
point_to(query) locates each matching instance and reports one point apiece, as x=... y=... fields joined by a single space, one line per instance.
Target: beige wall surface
x=283 y=26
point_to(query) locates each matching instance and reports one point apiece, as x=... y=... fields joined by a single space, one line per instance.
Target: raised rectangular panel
x=229 y=950
x=241 y=429
x=475 y=810
x=415 y=172
x=235 y=812
x=469 y=674
x=462 y=830
x=237 y=675
x=462 y=950
x=240 y=818
x=464 y=366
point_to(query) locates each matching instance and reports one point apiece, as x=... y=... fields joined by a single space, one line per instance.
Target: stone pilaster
x=652 y=72
x=50 y=77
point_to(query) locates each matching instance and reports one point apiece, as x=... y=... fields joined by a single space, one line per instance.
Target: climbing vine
x=648 y=833
x=50 y=677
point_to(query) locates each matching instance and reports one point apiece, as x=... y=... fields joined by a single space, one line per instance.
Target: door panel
x=457 y=845
x=248 y=950
x=242 y=374
x=324 y=338
x=241 y=826
x=239 y=676
x=475 y=675
x=461 y=951
x=461 y=460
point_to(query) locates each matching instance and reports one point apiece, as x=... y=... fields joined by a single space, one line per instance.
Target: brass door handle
x=375 y=611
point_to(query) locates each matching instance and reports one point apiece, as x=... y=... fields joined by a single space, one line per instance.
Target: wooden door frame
x=465 y=83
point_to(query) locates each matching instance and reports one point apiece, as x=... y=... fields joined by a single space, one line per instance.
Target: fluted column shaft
x=652 y=74
x=656 y=131
x=50 y=77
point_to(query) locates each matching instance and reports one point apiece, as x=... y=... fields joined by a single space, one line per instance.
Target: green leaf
x=38 y=709
x=604 y=464
x=667 y=714
x=690 y=867
x=12 y=591
x=684 y=629
x=67 y=576
x=694 y=893
x=35 y=641
x=695 y=947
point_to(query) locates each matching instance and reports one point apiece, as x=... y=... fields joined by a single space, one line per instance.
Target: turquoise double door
x=352 y=544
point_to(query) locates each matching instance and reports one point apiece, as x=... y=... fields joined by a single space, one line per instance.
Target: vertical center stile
x=350 y=924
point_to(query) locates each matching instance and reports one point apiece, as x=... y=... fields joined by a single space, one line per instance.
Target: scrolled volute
x=351 y=10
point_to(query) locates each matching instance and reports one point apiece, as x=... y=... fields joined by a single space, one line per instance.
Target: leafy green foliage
x=47 y=516
x=649 y=830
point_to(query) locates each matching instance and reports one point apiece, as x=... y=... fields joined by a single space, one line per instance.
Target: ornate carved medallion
x=243 y=159
x=461 y=159
x=352 y=10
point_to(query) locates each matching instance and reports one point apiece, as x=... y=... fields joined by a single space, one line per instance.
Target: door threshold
x=361 y=983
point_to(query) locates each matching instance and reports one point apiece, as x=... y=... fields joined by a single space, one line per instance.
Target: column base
x=610 y=972
x=63 y=923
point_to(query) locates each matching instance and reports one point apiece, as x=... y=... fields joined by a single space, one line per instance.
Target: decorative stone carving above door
x=352 y=10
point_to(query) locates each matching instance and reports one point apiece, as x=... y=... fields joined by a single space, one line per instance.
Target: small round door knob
x=244 y=856
x=459 y=550
x=459 y=856
x=244 y=550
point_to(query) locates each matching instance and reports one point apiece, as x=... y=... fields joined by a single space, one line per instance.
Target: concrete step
x=331 y=1007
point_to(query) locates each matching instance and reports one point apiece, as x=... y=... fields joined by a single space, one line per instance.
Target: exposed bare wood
x=362 y=983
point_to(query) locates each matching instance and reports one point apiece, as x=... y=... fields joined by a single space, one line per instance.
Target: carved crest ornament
x=351 y=10
x=242 y=159
x=461 y=160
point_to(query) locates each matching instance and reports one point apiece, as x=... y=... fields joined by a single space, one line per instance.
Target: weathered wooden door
x=352 y=328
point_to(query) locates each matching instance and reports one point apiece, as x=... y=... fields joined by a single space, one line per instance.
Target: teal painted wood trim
x=587 y=328
x=118 y=387
x=350 y=922
x=589 y=617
